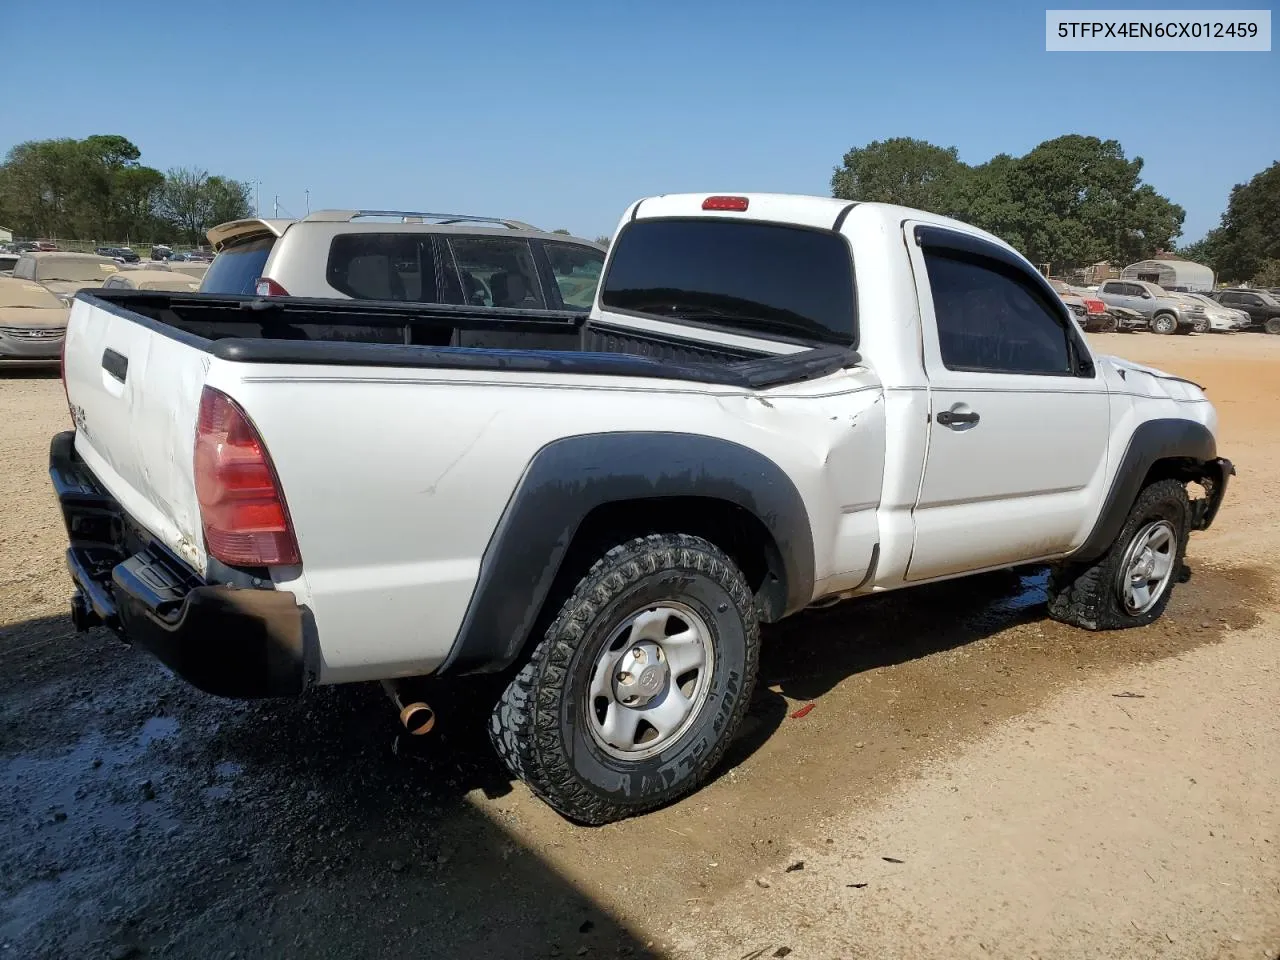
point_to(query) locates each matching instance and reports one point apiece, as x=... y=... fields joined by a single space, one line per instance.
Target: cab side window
x=991 y=320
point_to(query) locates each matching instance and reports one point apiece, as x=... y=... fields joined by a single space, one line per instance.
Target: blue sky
x=562 y=113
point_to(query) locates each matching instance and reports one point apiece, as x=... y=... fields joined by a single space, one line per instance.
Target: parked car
x=189 y=268
x=1220 y=318
x=32 y=324
x=152 y=280
x=121 y=254
x=1263 y=309
x=607 y=506
x=65 y=273
x=8 y=261
x=1167 y=312
x=1090 y=312
x=1128 y=321
x=453 y=259
x=161 y=251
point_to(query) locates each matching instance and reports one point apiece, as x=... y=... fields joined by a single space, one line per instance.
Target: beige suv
x=405 y=256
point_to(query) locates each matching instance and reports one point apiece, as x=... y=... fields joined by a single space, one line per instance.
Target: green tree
x=604 y=241
x=137 y=193
x=562 y=231
x=228 y=200
x=1070 y=201
x=193 y=201
x=914 y=173
x=1249 y=234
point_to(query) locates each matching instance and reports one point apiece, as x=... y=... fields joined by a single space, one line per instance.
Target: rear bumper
x=229 y=641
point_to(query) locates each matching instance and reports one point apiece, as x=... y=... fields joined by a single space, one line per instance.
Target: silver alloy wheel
x=1147 y=567
x=650 y=681
x=1164 y=324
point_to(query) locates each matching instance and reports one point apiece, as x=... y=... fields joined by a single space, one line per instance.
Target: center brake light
x=246 y=522
x=725 y=203
x=266 y=287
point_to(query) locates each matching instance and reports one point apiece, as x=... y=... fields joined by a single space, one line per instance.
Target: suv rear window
x=238 y=266
x=753 y=278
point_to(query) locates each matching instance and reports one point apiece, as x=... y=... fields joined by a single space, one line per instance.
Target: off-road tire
x=1085 y=594
x=1164 y=324
x=537 y=727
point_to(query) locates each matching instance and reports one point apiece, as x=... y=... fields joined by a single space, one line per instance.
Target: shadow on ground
x=139 y=814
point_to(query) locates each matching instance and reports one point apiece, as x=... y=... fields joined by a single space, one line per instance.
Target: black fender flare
x=1151 y=442
x=568 y=478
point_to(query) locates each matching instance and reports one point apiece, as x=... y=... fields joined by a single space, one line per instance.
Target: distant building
x=6 y=236
x=1172 y=273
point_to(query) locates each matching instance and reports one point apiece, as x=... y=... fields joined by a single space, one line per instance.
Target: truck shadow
x=137 y=814
x=137 y=811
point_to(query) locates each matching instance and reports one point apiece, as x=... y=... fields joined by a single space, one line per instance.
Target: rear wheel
x=1131 y=583
x=635 y=691
x=1200 y=325
x=1272 y=325
x=1164 y=324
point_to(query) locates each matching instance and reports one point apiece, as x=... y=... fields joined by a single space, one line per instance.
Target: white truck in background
x=775 y=400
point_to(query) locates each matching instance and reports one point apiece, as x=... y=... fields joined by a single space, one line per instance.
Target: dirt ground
x=973 y=781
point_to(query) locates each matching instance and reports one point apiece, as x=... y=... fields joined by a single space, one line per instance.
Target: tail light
x=266 y=287
x=246 y=522
x=1095 y=306
x=725 y=203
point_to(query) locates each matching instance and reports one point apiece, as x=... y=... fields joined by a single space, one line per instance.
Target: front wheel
x=1164 y=324
x=1130 y=585
x=1200 y=325
x=632 y=696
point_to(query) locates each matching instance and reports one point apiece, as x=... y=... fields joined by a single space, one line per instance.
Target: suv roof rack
x=413 y=216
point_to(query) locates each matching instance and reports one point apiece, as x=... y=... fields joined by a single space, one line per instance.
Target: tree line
x=1070 y=202
x=97 y=189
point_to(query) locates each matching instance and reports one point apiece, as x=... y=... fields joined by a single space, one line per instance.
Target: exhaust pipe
x=416 y=717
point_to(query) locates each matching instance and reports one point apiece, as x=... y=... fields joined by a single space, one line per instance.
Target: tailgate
x=135 y=396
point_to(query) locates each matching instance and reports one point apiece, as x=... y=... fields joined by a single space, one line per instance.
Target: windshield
x=238 y=266
x=75 y=270
x=753 y=278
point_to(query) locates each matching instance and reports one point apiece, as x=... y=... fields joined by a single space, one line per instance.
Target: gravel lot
x=1049 y=793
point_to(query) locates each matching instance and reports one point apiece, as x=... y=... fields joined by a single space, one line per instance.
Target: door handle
x=950 y=418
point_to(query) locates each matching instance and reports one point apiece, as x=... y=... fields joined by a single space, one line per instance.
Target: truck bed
x=250 y=329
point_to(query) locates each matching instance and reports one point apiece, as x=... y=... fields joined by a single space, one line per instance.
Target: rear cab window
x=751 y=278
x=238 y=265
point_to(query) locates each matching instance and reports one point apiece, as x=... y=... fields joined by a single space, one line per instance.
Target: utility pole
x=256 y=208
x=275 y=207
x=308 y=193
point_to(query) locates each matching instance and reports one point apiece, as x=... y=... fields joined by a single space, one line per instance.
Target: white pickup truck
x=775 y=401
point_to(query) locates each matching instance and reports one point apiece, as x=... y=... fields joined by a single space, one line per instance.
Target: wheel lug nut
x=638 y=653
x=624 y=677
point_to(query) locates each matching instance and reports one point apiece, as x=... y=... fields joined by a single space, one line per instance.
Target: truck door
x=1018 y=418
